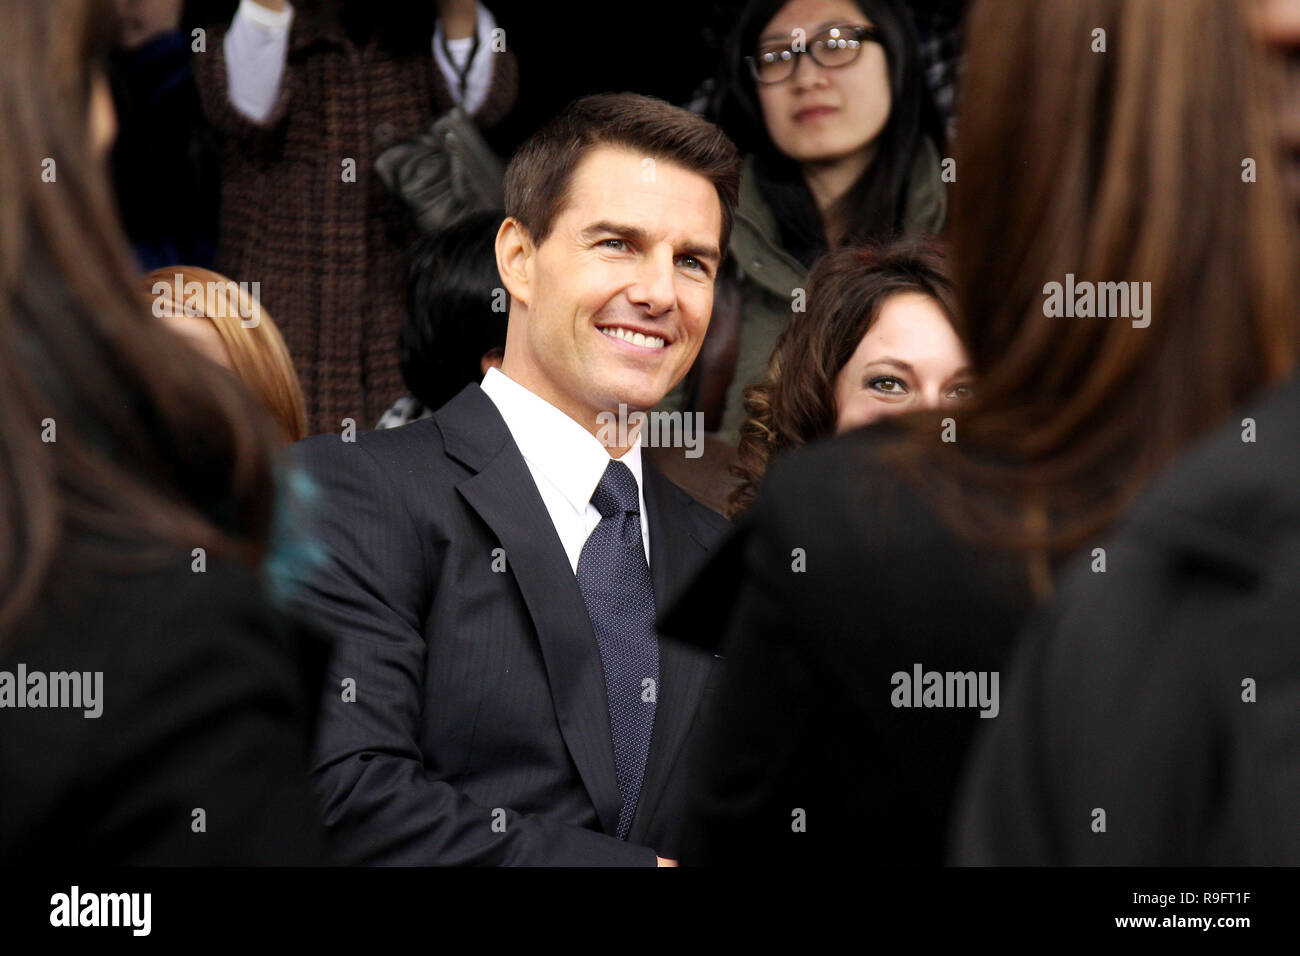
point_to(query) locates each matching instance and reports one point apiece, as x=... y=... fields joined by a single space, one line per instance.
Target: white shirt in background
x=257 y=45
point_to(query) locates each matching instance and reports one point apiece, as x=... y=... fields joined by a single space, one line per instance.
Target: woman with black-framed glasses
x=833 y=47
x=828 y=100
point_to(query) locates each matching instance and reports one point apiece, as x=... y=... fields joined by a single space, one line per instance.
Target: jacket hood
x=756 y=235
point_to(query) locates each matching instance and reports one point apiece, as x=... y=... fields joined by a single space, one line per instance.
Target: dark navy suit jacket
x=479 y=732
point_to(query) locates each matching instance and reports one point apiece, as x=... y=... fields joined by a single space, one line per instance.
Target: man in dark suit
x=499 y=694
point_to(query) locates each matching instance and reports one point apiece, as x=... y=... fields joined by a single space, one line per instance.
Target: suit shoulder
x=1231 y=498
x=381 y=441
x=392 y=450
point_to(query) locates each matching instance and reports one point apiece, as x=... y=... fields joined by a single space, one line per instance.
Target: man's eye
x=618 y=244
x=691 y=262
x=888 y=385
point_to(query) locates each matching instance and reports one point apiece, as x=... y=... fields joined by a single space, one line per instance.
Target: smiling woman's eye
x=959 y=393
x=888 y=385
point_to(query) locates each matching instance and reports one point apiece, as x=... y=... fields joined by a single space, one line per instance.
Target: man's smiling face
x=613 y=305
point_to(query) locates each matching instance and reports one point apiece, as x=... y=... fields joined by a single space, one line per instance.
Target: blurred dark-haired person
x=877 y=339
x=308 y=96
x=871 y=603
x=154 y=707
x=1151 y=721
x=499 y=694
x=828 y=99
x=455 y=326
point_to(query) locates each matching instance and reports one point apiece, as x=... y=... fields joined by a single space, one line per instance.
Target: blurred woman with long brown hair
x=136 y=501
x=883 y=577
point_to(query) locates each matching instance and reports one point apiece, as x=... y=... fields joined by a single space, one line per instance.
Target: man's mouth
x=632 y=337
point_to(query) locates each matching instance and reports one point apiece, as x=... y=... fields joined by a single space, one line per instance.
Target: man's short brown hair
x=537 y=180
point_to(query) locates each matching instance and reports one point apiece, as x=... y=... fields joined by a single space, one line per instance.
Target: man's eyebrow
x=635 y=233
x=709 y=253
x=773 y=37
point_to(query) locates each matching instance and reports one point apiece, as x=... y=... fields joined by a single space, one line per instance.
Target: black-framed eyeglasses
x=832 y=48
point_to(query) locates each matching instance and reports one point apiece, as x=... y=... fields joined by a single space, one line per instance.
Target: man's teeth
x=636 y=338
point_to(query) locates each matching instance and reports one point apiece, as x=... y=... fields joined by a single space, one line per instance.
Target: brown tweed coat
x=329 y=253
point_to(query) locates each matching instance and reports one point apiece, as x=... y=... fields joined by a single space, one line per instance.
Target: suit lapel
x=504 y=495
x=674 y=552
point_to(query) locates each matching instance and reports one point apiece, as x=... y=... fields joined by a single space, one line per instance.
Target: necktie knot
x=617 y=491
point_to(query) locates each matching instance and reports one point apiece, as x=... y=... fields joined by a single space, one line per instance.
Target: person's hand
x=142 y=20
x=663 y=862
x=459 y=17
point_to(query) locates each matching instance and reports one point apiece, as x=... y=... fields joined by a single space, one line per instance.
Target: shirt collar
x=566 y=454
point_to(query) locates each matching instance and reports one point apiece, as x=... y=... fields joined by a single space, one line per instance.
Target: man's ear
x=515 y=252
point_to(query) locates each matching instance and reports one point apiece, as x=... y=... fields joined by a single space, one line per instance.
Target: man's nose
x=655 y=285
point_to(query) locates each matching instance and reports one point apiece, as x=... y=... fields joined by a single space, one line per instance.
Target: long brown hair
x=1127 y=165
x=110 y=429
x=847 y=289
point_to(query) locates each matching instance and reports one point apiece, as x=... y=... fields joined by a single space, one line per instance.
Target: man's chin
x=635 y=396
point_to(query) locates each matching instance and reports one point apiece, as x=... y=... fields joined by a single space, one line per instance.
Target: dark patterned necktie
x=615 y=583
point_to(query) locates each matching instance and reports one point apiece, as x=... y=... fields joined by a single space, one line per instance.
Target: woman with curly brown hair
x=877 y=340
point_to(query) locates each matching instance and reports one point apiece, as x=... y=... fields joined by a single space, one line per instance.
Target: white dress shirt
x=566 y=461
x=258 y=42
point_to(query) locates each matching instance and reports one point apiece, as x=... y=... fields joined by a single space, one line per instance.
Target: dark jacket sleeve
x=1005 y=816
x=1116 y=742
x=381 y=805
x=207 y=709
x=759 y=740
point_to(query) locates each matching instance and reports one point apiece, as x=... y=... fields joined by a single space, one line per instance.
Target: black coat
x=1129 y=695
x=804 y=719
x=480 y=731
x=208 y=699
